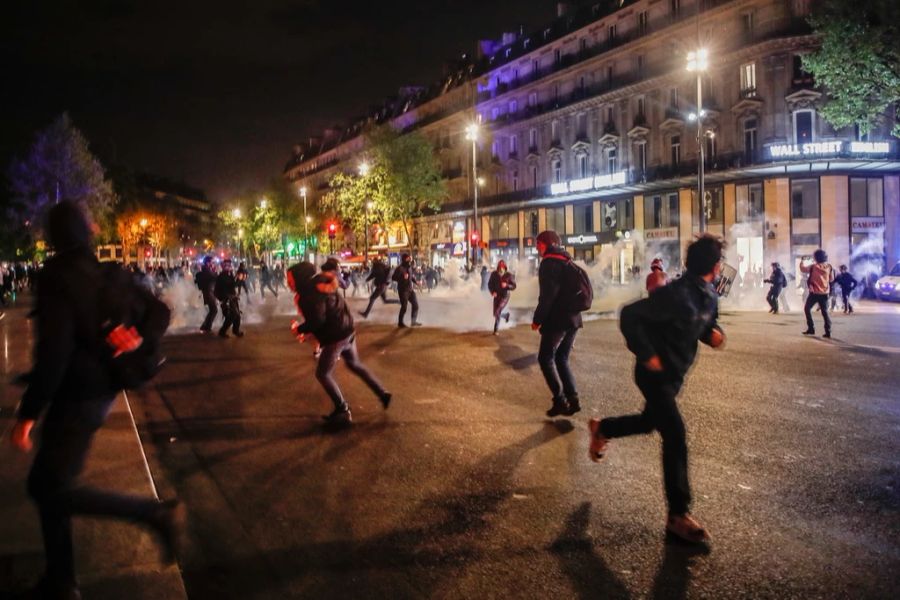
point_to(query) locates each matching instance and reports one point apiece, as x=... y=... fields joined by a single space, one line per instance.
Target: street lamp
x=364 y=172
x=305 y=224
x=236 y=213
x=263 y=203
x=472 y=135
x=698 y=62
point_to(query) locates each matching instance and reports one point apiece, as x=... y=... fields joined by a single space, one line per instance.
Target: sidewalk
x=113 y=559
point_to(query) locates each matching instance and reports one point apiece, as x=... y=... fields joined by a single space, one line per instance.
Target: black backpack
x=124 y=303
x=577 y=292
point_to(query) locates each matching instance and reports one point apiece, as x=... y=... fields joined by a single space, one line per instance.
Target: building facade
x=591 y=129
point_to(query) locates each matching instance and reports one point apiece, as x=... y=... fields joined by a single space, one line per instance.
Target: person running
x=379 y=275
x=820 y=276
x=557 y=325
x=501 y=283
x=847 y=283
x=657 y=276
x=265 y=281
x=327 y=317
x=71 y=385
x=406 y=281
x=662 y=332
x=778 y=282
x=205 y=280
x=227 y=293
x=242 y=276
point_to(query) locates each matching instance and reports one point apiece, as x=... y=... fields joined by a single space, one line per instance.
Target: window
x=583 y=215
x=554 y=131
x=513 y=106
x=673 y=98
x=556 y=219
x=611 y=34
x=642 y=21
x=749 y=201
x=611 y=160
x=675 y=147
x=557 y=56
x=532 y=138
x=610 y=121
x=535 y=66
x=748 y=80
x=495 y=149
x=556 y=169
x=661 y=211
x=581 y=125
x=581 y=84
x=533 y=223
x=514 y=144
x=640 y=107
x=494 y=112
x=534 y=177
x=675 y=7
x=556 y=92
x=582 y=44
x=508 y=52
x=640 y=157
x=532 y=99
x=583 y=165
x=504 y=226
x=640 y=65
x=750 y=140
x=515 y=181
x=804 y=126
x=805 y=199
x=747 y=25
x=710 y=149
x=866 y=197
x=800 y=75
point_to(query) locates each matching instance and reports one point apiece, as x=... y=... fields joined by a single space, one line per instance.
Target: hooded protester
x=72 y=385
x=657 y=276
x=778 y=282
x=820 y=277
x=205 y=279
x=501 y=283
x=227 y=293
x=558 y=325
x=379 y=275
x=327 y=318
x=406 y=282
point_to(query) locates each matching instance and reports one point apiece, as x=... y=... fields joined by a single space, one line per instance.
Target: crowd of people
x=71 y=387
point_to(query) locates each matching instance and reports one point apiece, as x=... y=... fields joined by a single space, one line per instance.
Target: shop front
x=663 y=243
x=503 y=249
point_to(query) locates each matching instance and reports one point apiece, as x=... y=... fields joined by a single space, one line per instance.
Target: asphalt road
x=463 y=489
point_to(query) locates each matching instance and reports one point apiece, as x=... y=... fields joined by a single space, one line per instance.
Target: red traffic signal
x=332 y=230
x=474 y=238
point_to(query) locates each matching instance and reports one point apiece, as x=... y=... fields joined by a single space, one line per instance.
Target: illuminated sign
x=666 y=233
x=588 y=183
x=866 y=224
x=582 y=239
x=829 y=148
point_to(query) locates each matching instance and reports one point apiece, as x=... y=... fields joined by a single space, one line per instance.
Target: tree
x=403 y=180
x=858 y=62
x=60 y=166
x=141 y=227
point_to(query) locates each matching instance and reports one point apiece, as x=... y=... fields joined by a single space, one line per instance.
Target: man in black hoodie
x=71 y=383
x=778 y=282
x=327 y=318
x=227 y=293
x=206 y=282
x=662 y=331
x=406 y=282
x=557 y=323
x=379 y=275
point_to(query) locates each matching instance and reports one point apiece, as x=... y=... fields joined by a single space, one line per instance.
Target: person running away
x=778 y=282
x=406 y=282
x=227 y=293
x=501 y=283
x=847 y=283
x=327 y=317
x=379 y=275
x=662 y=332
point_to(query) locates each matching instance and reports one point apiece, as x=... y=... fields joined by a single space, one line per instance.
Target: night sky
x=217 y=93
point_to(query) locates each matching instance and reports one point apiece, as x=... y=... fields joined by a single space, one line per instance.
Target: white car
x=888 y=287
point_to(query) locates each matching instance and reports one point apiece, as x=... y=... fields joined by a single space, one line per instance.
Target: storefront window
x=616 y=214
x=661 y=211
x=532 y=224
x=866 y=197
x=749 y=200
x=584 y=218
x=504 y=226
x=714 y=206
x=556 y=219
x=805 y=199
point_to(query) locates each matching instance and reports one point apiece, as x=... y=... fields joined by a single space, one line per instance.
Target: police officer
x=226 y=293
x=406 y=282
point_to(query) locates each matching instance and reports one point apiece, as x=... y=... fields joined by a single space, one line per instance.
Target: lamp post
x=364 y=172
x=472 y=135
x=697 y=62
x=236 y=214
x=305 y=224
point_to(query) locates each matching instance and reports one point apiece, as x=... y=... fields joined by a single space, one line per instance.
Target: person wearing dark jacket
x=557 y=324
x=379 y=275
x=500 y=284
x=227 y=293
x=662 y=331
x=778 y=282
x=327 y=318
x=847 y=283
x=71 y=385
x=265 y=281
x=206 y=282
x=406 y=282
x=242 y=276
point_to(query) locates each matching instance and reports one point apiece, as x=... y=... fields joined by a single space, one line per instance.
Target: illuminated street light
x=236 y=213
x=263 y=203
x=364 y=169
x=472 y=136
x=143 y=222
x=698 y=62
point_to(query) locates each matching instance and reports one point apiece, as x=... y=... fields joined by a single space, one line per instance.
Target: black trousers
x=553 y=357
x=408 y=297
x=211 y=313
x=500 y=303
x=845 y=298
x=231 y=310
x=772 y=297
x=661 y=414
x=52 y=483
x=380 y=291
x=822 y=301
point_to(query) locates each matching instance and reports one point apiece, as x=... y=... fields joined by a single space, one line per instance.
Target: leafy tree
x=858 y=61
x=403 y=179
x=59 y=165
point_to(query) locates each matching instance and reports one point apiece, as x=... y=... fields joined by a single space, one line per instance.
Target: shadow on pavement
x=674 y=574
x=513 y=356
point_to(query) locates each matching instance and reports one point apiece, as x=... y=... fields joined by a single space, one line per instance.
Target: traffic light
x=332 y=230
x=475 y=239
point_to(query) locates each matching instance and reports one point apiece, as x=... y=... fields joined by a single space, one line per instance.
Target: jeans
x=500 y=303
x=52 y=483
x=772 y=298
x=378 y=291
x=661 y=414
x=408 y=297
x=845 y=298
x=822 y=301
x=553 y=357
x=346 y=349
